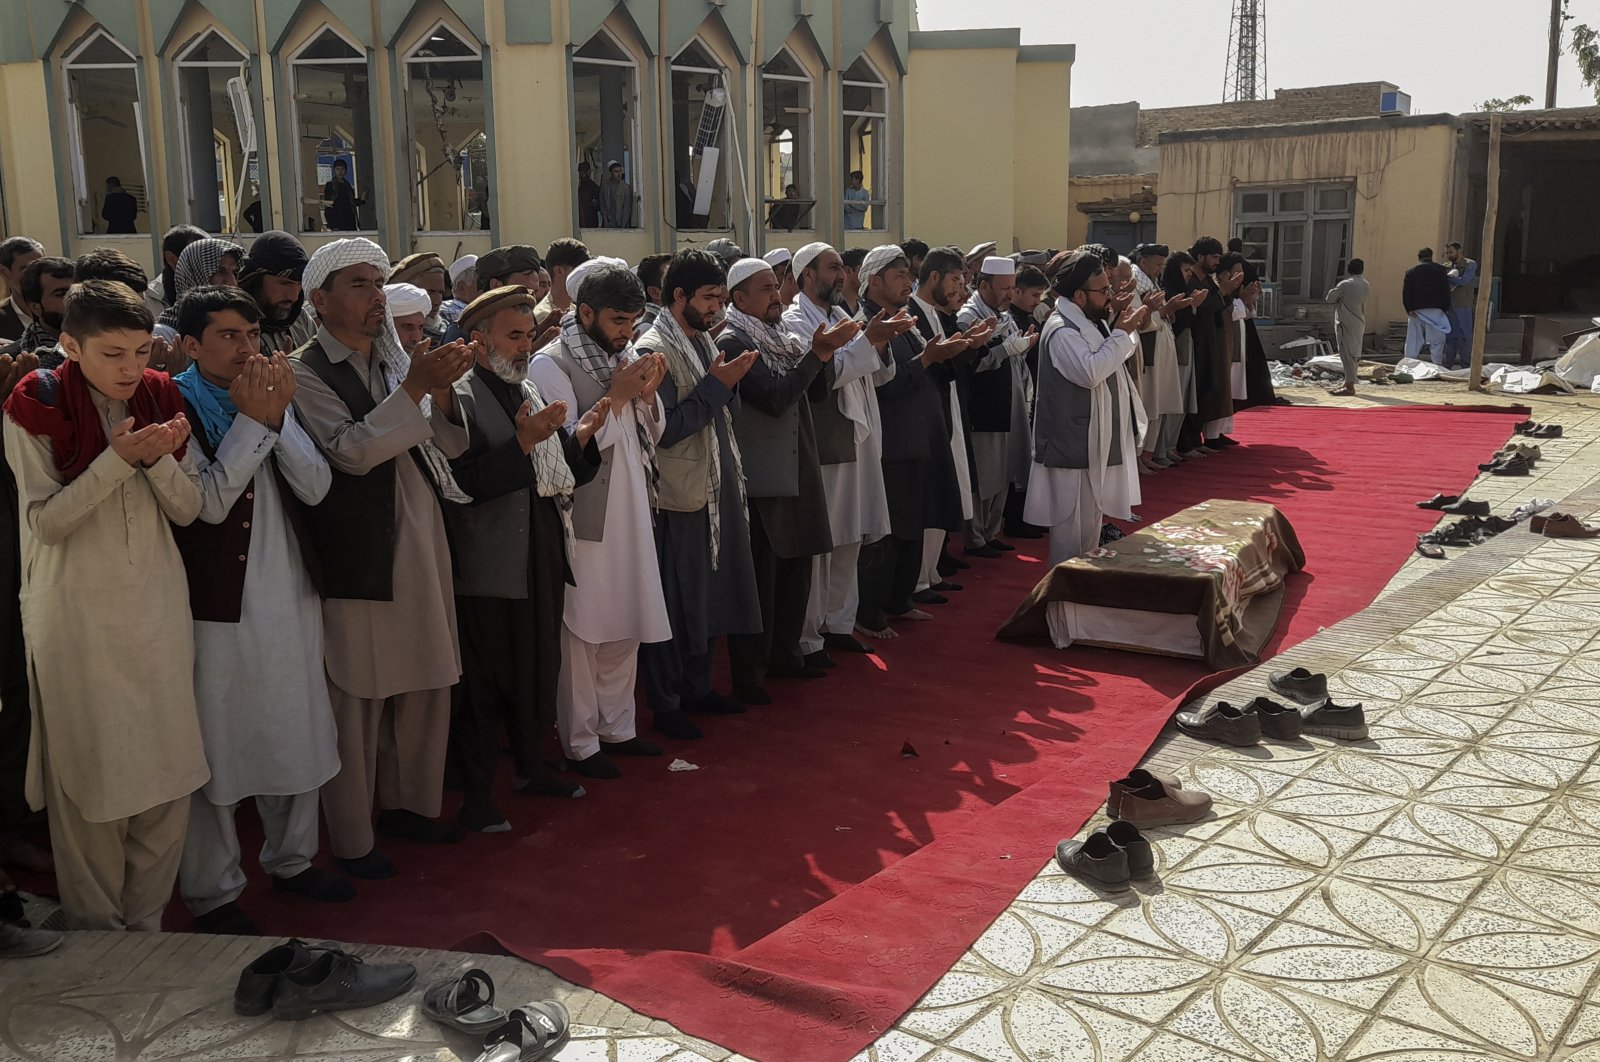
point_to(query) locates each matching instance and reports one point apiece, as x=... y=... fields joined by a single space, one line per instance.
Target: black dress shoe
x=752 y=695
x=987 y=552
x=844 y=643
x=338 y=981
x=821 y=659
x=409 y=826
x=945 y=586
x=714 y=703
x=1439 y=501
x=226 y=921
x=1300 y=685
x=544 y=782
x=1279 y=721
x=481 y=816
x=805 y=671
x=929 y=597
x=374 y=866
x=1003 y=547
x=1511 y=466
x=634 y=746
x=314 y=883
x=950 y=565
x=595 y=765
x=674 y=725
x=1465 y=506
x=258 y=982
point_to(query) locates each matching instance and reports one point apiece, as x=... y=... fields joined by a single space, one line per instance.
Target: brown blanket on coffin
x=1223 y=562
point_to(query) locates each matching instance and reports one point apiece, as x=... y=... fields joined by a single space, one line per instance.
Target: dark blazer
x=909 y=404
x=767 y=422
x=1427 y=287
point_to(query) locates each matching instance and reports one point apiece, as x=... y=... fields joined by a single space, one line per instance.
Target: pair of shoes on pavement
x=1312 y=712
x=528 y=1033
x=1148 y=799
x=298 y=979
x=1110 y=858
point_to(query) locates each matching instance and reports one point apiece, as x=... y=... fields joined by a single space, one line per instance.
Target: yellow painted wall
x=960 y=109
x=1403 y=179
x=1042 y=209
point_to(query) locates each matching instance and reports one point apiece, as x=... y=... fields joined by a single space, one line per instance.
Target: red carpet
x=796 y=894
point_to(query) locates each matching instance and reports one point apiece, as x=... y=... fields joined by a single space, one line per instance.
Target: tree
x=1509 y=104
x=1586 y=48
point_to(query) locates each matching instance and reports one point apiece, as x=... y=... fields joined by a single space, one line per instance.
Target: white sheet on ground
x=1166 y=633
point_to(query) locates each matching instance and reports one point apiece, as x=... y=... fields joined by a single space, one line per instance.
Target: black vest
x=354 y=530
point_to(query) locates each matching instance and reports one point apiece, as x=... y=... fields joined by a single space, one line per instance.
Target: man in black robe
x=510 y=556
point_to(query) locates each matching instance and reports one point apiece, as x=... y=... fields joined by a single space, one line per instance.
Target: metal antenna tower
x=1246 y=75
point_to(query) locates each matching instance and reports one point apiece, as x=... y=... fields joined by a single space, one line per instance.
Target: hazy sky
x=1168 y=53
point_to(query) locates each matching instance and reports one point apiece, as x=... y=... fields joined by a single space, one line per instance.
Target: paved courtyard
x=1430 y=893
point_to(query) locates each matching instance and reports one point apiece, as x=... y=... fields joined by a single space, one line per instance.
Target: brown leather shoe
x=1564 y=525
x=1142 y=799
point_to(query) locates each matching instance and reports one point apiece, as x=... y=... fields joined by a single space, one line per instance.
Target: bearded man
x=270 y=272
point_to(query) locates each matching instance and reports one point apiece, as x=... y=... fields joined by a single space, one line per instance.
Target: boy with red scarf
x=98 y=447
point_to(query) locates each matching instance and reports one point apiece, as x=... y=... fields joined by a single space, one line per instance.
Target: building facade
x=457 y=125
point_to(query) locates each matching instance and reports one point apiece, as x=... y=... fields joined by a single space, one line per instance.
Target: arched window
x=218 y=136
x=700 y=106
x=447 y=112
x=605 y=129
x=333 y=134
x=786 y=139
x=105 y=130
x=866 y=121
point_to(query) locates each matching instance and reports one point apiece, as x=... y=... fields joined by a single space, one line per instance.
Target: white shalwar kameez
x=1073 y=502
x=260 y=685
x=933 y=539
x=616 y=602
x=858 y=507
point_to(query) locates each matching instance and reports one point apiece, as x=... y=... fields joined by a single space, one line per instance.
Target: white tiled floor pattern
x=1432 y=893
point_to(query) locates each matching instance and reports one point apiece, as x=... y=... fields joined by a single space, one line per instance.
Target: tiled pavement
x=1431 y=893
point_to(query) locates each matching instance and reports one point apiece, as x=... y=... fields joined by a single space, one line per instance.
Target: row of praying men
x=326 y=530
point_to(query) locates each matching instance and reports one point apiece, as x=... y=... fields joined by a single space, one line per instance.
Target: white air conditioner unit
x=243 y=118
x=1394 y=103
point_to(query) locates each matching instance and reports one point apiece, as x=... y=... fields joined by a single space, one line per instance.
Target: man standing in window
x=616 y=199
x=588 y=198
x=855 y=202
x=121 y=209
x=340 y=199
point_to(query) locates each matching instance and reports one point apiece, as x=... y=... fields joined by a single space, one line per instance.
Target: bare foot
x=885 y=634
x=16 y=852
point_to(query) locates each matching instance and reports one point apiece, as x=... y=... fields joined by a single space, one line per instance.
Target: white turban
x=575 y=278
x=808 y=254
x=407 y=299
x=877 y=259
x=341 y=254
x=744 y=269
x=461 y=265
x=998 y=267
x=777 y=257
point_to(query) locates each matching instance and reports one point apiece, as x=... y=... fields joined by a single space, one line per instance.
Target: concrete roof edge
x=936 y=40
x=1327 y=125
x=1047 y=53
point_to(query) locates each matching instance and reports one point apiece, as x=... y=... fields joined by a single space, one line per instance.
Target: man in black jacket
x=1426 y=296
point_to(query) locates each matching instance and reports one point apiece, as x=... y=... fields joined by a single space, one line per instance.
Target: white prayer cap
x=407 y=299
x=998 y=267
x=461 y=265
x=341 y=254
x=981 y=249
x=575 y=278
x=744 y=269
x=877 y=260
x=808 y=254
x=776 y=257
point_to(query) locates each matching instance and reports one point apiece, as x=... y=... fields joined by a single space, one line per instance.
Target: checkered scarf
x=588 y=356
x=687 y=358
x=780 y=350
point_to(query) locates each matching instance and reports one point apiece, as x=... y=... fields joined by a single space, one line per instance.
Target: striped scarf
x=780 y=350
x=588 y=356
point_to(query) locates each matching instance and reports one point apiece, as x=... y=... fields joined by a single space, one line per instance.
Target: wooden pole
x=1556 y=20
x=1491 y=211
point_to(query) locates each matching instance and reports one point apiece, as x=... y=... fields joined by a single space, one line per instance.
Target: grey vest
x=1061 y=419
x=589 y=502
x=489 y=539
x=770 y=445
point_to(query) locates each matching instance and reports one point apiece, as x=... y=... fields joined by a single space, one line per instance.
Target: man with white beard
x=521 y=469
x=849 y=443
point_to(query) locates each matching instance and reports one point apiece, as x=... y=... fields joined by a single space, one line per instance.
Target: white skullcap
x=575 y=278
x=341 y=254
x=808 y=254
x=777 y=257
x=982 y=248
x=744 y=269
x=877 y=259
x=998 y=267
x=407 y=299
x=461 y=265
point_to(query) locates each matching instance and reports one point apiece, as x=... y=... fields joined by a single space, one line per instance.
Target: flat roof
x=1328 y=125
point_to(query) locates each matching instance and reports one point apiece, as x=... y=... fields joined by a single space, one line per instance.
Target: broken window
x=866 y=121
x=699 y=117
x=447 y=111
x=105 y=132
x=333 y=126
x=786 y=135
x=605 y=107
x=220 y=168
x=1297 y=236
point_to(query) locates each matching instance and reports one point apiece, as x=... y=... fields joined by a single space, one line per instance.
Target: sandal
x=1429 y=550
x=532 y=1032
x=465 y=1004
